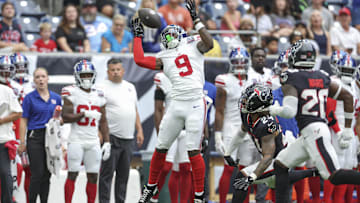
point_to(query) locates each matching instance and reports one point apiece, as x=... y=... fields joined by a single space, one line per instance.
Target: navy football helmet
x=7 y=69
x=302 y=55
x=171 y=36
x=82 y=70
x=256 y=98
x=21 y=65
x=239 y=60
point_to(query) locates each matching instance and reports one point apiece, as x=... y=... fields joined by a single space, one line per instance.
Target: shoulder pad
x=67 y=91
x=220 y=80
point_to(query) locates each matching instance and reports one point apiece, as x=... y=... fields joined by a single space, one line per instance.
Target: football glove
x=243 y=183
x=137 y=27
x=230 y=161
x=191 y=7
x=219 y=144
x=92 y=114
x=106 y=150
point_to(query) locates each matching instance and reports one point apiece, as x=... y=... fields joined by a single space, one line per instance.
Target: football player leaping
x=183 y=63
x=305 y=93
x=84 y=108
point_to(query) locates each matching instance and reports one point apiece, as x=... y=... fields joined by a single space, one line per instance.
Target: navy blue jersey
x=11 y=34
x=313 y=89
x=263 y=126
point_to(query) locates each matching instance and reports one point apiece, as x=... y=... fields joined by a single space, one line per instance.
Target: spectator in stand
x=204 y=17
x=177 y=15
x=243 y=40
x=45 y=43
x=231 y=19
x=10 y=111
x=272 y=45
x=305 y=31
x=281 y=19
x=117 y=39
x=321 y=36
x=356 y=20
x=95 y=25
x=123 y=118
x=38 y=106
x=151 y=40
x=10 y=30
x=264 y=23
x=71 y=35
x=345 y=37
x=106 y=8
x=327 y=16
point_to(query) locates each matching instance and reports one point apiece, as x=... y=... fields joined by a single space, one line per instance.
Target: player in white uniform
x=176 y=159
x=22 y=84
x=227 y=116
x=84 y=108
x=183 y=63
x=258 y=73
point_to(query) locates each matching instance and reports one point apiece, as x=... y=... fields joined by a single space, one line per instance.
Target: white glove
x=275 y=109
x=344 y=144
x=92 y=114
x=219 y=144
x=106 y=150
x=347 y=134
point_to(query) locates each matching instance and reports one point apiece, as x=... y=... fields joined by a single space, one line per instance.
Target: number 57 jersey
x=184 y=66
x=312 y=89
x=86 y=129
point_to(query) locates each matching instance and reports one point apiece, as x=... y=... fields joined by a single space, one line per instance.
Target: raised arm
x=206 y=40
x=149 y=62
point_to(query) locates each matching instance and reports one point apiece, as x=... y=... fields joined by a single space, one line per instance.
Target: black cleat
x=148 y=192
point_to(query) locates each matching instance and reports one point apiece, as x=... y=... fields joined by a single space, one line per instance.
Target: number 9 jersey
x=86 y=129
x=184 y=66
x=312 y=88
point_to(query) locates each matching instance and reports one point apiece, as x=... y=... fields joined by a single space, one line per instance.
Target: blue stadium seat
x=31 y=37
x=27 y=6
x=30 y=24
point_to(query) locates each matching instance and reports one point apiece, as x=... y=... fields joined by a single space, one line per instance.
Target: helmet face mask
x=85 y=74
x=239 y=60
x=282 y=63
x=7 y=69
x=336 y=56
x=346 y=69
x=171 y=36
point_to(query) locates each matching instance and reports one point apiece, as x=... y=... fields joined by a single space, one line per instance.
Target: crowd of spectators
x=99 y=26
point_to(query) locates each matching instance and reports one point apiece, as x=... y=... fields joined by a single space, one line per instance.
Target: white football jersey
x=17 y=88
x=85 y=129
x=255 y=77
x=165 y=85
x=233 y=87
x=184 y=66
x=21 y=90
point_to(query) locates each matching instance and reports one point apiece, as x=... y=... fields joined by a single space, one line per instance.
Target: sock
x=91 y=192
x=314 y=186
x=69 y=190
x=156 y=165
x=358 y=193
x=185 y=179
x=339 y=193
x=27 y=182
x=162 y=177
x=198 y=168
x=349 y=193
x=174 y=186
x=272 y=195
x=283 y=185
x=299 y=188
x=19 y=173
x=328 y=191
x=224 y=182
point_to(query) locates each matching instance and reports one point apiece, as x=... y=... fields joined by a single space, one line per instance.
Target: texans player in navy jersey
x=266 y=133
x=305 y=94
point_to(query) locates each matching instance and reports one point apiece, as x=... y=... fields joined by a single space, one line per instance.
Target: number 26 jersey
x=86 y=129
x=184 y=66
x=312 y=89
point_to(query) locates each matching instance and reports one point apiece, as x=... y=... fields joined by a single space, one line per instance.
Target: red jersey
x=40 y=46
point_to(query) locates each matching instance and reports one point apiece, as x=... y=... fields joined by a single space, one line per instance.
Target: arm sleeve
x=289 y=108
x=139 y=58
